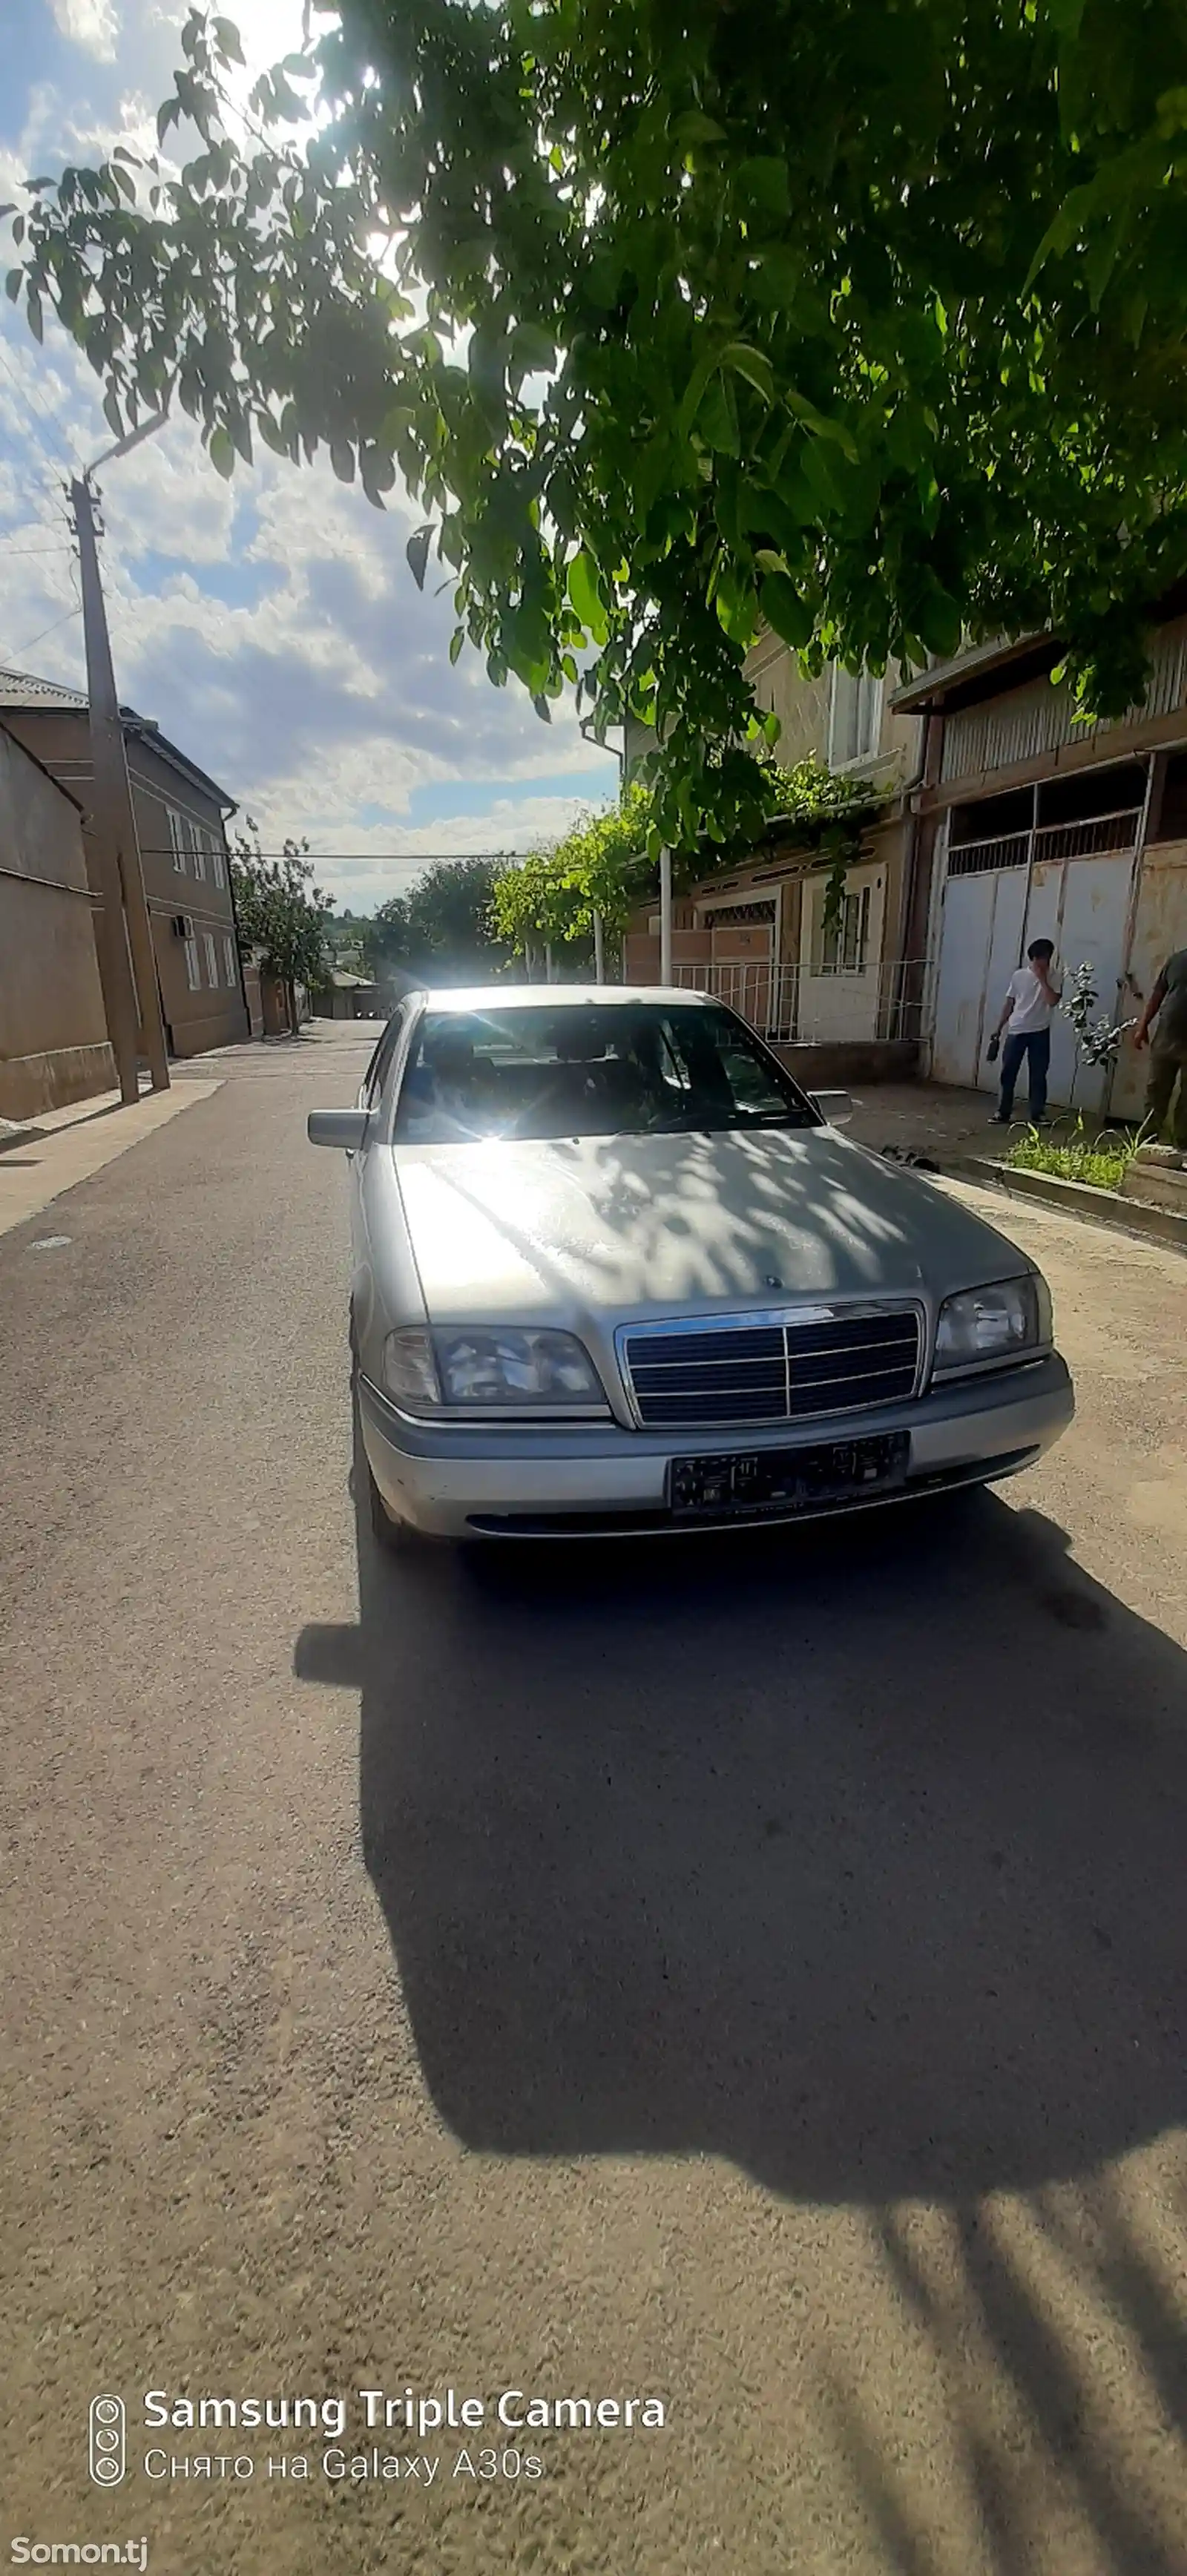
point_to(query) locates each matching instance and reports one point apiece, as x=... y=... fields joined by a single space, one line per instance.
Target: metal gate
x=986 y=922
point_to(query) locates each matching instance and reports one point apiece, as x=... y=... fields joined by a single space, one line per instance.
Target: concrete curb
x=1074 y=1198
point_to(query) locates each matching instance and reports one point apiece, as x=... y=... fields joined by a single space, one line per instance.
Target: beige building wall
x=183 y=845
x=53 y=1034
x=804 y=707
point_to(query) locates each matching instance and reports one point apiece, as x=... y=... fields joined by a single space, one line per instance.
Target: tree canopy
x=443 y=926
x=866 y=320
x=601 y=866
x=280 y=912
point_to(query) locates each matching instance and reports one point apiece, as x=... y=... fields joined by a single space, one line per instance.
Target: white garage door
x=1080 y=903
x=980 y=923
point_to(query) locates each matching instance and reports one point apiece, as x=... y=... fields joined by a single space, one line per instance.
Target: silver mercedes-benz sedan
x=615 y=1272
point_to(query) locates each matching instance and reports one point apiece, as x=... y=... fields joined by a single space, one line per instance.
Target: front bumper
x=569 y=1481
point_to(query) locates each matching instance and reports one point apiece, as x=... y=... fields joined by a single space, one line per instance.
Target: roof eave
x=929 y=692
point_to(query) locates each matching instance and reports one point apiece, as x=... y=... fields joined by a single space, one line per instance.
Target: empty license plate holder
x=751 y=1483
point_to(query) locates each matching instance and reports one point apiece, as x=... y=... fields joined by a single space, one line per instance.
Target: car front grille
x=772 y=1372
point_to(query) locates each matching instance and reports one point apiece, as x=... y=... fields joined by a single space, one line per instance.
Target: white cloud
x=89 y=23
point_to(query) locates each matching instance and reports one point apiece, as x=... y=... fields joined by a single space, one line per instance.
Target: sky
x=270 y=625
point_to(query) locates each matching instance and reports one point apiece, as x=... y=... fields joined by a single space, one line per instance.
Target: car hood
x=631 y=1225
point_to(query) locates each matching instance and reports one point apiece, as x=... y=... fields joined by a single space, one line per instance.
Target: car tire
x=393 y=1535
x=396 y=1537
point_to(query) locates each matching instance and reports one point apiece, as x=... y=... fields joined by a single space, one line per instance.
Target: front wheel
x=395 y=1536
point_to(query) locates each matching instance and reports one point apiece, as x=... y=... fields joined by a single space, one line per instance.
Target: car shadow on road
x=853 y=1856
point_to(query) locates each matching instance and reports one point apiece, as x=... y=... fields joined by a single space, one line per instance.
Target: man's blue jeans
x=1035 y=1045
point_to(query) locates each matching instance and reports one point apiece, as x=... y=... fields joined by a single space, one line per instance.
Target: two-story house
x=181 y=816
x=762 y=933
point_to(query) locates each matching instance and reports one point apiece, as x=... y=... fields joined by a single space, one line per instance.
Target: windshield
x=591 y=1069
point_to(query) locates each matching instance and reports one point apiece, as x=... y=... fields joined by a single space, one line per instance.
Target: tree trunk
x=290 y=994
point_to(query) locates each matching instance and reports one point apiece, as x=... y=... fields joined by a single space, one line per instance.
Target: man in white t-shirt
x=1026 y=1019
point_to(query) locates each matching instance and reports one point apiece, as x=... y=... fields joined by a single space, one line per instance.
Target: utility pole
x=115 y=967
x=115 y=820
x=665 y=916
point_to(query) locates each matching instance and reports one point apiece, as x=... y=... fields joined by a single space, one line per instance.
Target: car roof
x=551 y=997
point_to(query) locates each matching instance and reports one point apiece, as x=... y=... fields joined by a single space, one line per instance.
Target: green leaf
x=778 y=276
x=585 y=593
x=821 y=426
x=763 y=182
x=753 y=365
x=532 y=349
x=938 y=622
x=222 y=453
x=13 y=283
x=695 y=127
x=226 y=37
x=33 y=314
x=342 y=459
x=456 y=641
x=717 y=419
x=417 y=551
x=785 y=611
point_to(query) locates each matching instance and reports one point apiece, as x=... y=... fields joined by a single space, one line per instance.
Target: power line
x=74 y=610
x=11 y=553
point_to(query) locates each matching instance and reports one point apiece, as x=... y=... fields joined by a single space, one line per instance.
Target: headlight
x=410 y=1371
x=1001 y=1322
x=527 y=1371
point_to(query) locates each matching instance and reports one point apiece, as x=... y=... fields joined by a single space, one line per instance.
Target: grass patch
x=1102 y=1161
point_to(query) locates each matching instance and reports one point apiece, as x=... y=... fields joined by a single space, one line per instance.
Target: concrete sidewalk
x=51 y=1153
x=952 y=1126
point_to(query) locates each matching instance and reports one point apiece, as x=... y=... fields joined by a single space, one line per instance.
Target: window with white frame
x=211 y=959
x=177 y=845
x=230 y=960
x=197 y=841
x=193 y=971
x=218 y=861
x=855 y=717
x=842 y=944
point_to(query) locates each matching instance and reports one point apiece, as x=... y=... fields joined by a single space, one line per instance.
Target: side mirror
x=836 y=1106
x=346 y=1129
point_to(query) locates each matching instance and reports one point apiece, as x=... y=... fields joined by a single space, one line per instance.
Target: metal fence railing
x=1081 y=840
x=792 y=1005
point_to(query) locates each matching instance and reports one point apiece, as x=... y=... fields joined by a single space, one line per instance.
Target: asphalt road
x=748 y=1974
